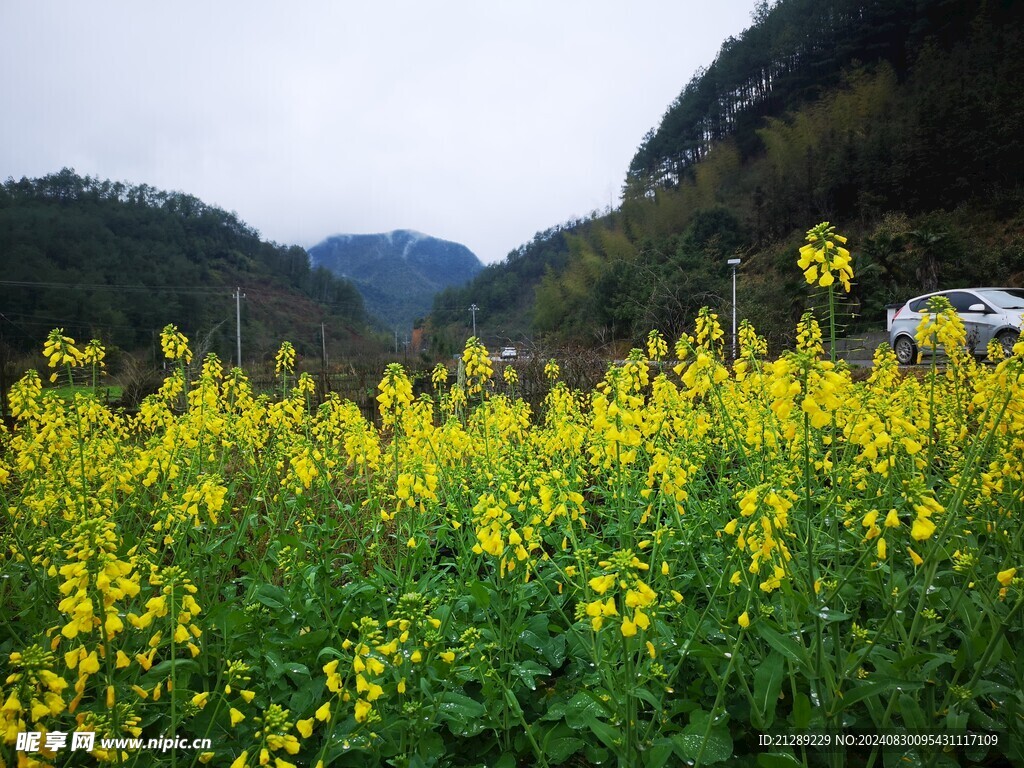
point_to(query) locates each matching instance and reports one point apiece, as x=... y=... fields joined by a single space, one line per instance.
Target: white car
x=987 y=313
x=509 y=353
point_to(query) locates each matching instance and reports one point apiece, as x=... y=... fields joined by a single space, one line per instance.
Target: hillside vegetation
x=898 y=121
x=118 y=262
x=397 y=273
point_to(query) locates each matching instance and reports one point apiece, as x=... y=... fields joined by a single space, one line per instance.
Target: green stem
x=832 y=322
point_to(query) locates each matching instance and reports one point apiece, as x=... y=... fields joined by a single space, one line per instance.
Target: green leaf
x=956 y=720
x=528 y=670
x=329 y=652
x=302 y=701
x=430 y=745
x=785 y=645
x=463 y=715
x=913 y=715
x=829 y=616
x=777 y=760
x=512 y=703
x=659 y=753
x=232 y=621
x=897 y=758
x=691 y=744
x=294 y=670
x=275 y=667
x=863 y=691
x=314 y=639
x=608 y=735
x=271 y=596
x=213 y=545
x=172 y=667
x=717 y=749
x=481 y=595
x=645 y=695
x=583 y=709
x=801 y=716
x=767 y=686
x=976 y=754
x=554 y=650
x=560 y=749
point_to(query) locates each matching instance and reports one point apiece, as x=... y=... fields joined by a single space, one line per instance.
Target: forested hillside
x=503 y=290
x=397 y=273
x=118 y=262
x=897 y=120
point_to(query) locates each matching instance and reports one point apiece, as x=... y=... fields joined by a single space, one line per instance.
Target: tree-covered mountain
x=397 y=272
x=117 y=262
x=897 y=120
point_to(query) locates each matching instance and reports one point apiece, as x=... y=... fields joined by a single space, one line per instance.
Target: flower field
x=658 y=572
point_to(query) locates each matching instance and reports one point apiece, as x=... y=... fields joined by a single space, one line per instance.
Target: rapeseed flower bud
x=478 y=366
x=657 y=347
x=551 y=370
x=175 y=344
x=439 y=376
x=284 y=360
x=824 y=259
x=61 y=350
x=941 y=326
x=395 y=394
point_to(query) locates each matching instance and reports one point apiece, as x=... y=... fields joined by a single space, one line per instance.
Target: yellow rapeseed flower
x=175 y=344
x=824 y=259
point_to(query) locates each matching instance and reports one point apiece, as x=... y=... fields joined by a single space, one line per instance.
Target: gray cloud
x=480 y=122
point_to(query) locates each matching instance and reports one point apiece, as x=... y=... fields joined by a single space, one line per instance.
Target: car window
x=1008 y=298
x=919 y=305
x=961 y=300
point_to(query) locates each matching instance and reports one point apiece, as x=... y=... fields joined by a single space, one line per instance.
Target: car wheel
x=906 y=350
x=1007 y=339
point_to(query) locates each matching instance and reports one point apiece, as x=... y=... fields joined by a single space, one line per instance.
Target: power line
x=32 y=319
x=114 y=286
x=27 y=334
x=226 y=292
x=69 y=324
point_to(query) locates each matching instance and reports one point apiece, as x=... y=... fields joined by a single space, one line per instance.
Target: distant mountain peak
x=397 y=272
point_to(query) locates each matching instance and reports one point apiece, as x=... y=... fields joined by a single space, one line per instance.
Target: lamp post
x=734 y=263
x=238 y=322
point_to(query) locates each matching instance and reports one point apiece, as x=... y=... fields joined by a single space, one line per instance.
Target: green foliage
x=662 y=570
x=118 y=262
x=503 y=291
x=898 y=119
x=397 y=273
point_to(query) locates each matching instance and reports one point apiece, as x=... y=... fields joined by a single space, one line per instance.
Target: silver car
x=987 y=313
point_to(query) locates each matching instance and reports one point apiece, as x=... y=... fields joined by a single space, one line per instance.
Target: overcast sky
x=477 y=121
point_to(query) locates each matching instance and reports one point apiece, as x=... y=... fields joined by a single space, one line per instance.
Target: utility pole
x=474 y=309
x=734 y=263
x=323 y=343
x=238 y=322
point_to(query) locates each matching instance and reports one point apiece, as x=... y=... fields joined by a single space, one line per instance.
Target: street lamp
x=734 y=263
